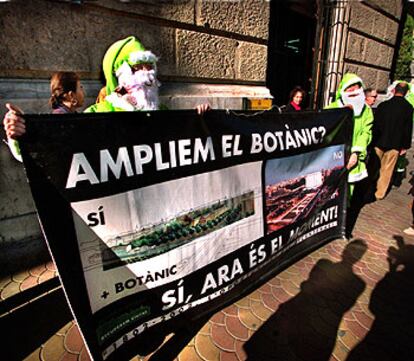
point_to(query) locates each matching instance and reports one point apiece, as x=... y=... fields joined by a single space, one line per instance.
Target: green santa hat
x=129 y=50
x=348 y=80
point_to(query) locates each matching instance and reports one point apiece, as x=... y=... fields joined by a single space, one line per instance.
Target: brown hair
x=62 y=83
x=296 y=89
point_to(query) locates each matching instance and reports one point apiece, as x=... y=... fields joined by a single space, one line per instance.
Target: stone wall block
x=393 y=7
x=390 y=30
x=16 y=199
x=80 y=44
x=382 y=80
x=374 y=23
x=240 y=17
x=176 y=10
x=377 y=54
x=81 y=34
x=390 y=56
x=18 y=219
x=251 y=62
x=40 y=48
x=379 y=26
x=356 y=47
x=160 y=40
x=204 y=55
x=369 y=76
x=359 y=15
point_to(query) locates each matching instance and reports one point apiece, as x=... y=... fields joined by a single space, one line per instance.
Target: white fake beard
x=141 y=86
x=144 y=97
x=356 y=99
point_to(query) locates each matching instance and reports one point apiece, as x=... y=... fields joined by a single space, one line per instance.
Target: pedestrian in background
x=296 y=97
x=392 y=133
x=371 y=96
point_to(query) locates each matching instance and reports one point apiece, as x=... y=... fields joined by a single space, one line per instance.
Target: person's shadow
x=305 y=327
x=392 y=302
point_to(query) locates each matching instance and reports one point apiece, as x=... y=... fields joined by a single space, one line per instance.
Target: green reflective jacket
x=362 y=134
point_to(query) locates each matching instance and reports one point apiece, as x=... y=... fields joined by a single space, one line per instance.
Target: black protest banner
x=155 y=219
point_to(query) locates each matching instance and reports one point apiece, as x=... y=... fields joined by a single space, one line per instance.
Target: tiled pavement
x=320 y=308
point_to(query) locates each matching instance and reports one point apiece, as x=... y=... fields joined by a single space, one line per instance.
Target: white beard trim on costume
x=143 y=57
x=356 y=99
x=142 y=90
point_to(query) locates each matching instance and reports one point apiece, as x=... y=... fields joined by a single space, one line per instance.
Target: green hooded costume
x=410 y=95
x=362 y=134
x=128 y=50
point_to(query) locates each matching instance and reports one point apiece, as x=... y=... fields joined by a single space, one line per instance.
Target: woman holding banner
x=66 y=96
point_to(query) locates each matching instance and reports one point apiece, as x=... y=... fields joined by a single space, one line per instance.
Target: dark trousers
x=364 y=192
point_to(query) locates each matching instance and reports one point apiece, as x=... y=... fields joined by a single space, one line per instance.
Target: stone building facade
x=209 y=50
x=372 y=43
x=197 y=42
x=370 y=32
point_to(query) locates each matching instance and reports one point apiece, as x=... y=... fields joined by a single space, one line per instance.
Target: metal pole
x=337 y=48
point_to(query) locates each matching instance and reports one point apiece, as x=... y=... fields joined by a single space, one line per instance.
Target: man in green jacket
x=350 y=93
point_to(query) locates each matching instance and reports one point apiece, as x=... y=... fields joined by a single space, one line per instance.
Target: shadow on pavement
x=18 y=256
x=305 y=327
x=28 y=327
x=392 y=303
x=171 y=348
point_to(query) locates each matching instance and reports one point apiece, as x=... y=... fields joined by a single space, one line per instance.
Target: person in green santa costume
x=350 y=93
x=131 y=78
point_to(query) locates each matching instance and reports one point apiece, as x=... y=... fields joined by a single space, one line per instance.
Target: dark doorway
x=292 y=30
